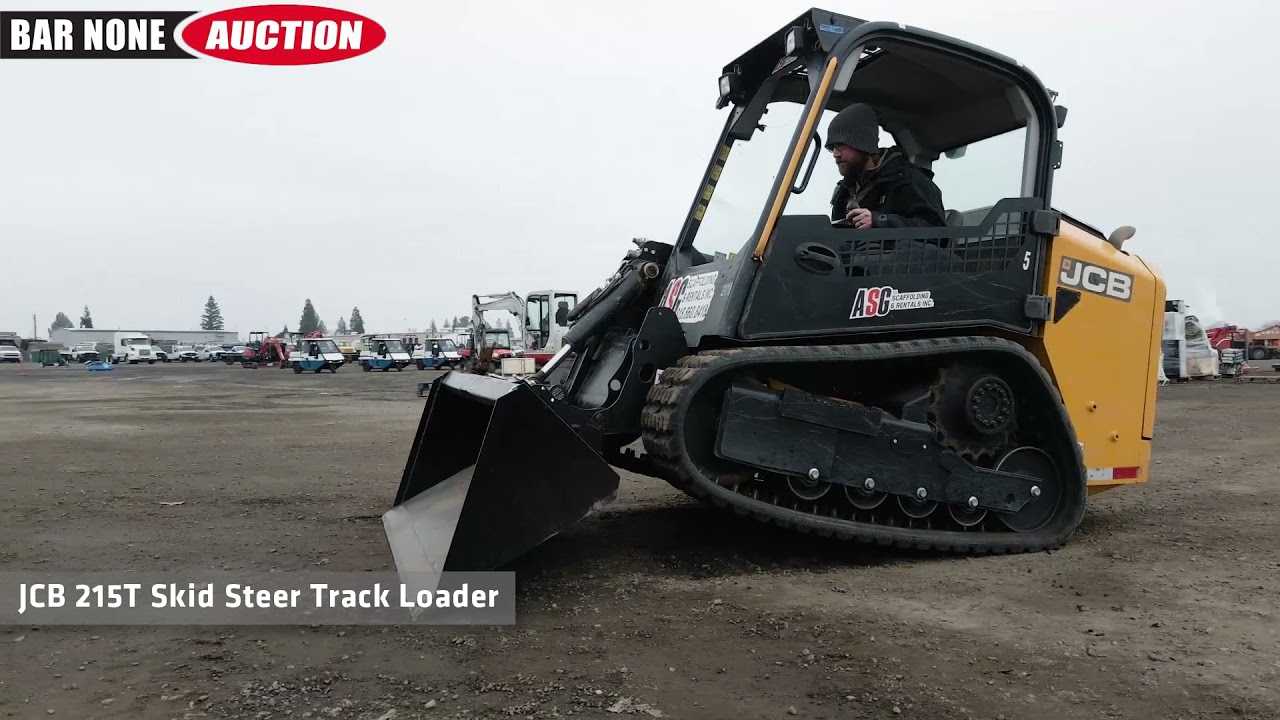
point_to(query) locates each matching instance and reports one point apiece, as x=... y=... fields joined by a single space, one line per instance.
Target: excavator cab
x=934 y=380
x=546 y=322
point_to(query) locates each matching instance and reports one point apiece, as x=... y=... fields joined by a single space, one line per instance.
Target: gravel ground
x=1162 y=606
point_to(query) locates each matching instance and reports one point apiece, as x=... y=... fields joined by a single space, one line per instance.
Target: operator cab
x=319 y=347
x=498 y=339
x=982 y=125
x=547 y=317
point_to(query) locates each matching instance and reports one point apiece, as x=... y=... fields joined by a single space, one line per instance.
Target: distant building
x=167 y=339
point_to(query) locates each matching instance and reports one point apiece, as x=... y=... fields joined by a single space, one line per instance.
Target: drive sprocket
x=974 y=411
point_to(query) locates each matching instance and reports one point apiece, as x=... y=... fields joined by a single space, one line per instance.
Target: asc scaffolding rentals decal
x=690 y=296
x=880 y=301
x=256 y=34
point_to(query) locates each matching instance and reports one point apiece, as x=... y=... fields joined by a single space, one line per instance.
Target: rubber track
x=671 y=395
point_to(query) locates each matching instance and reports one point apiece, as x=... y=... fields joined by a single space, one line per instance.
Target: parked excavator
x=262 y=350
x=487 y=345
x=544 y=315
x=960 y=388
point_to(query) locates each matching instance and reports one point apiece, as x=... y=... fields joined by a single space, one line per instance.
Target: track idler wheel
x=917 y=507
x=808 y=488
x=865 y=497
x=1045 y=495
x=967 y=516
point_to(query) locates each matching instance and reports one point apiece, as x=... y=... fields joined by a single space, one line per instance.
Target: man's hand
x=859 y=218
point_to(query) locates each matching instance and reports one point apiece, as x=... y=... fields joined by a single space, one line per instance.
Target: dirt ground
x=1162 y=606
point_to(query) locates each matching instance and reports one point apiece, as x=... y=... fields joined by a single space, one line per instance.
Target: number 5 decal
x=1026 y=260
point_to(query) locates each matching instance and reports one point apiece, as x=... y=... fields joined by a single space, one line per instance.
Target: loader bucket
x=493 y=473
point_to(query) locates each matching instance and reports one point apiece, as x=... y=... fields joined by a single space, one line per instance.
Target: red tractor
x=1257 y=345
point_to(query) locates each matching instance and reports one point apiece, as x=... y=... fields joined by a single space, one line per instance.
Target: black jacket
x=898 y=194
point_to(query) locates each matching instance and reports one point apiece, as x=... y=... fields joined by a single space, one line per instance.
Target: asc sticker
x=880 y=301
x=691 y=296
x=1095 y=279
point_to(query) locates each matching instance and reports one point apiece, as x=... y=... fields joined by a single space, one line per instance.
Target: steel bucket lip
x=463 y=478
x=483 y=387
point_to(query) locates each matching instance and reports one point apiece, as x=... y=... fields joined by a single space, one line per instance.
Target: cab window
x=564 y=304
x=536 y=317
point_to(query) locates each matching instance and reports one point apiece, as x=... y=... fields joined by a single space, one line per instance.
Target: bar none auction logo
x=255 y=34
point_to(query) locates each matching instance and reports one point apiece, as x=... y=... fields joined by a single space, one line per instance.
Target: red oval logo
x=283 y=35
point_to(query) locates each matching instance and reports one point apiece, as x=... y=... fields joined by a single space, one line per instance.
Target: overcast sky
x=503 y=140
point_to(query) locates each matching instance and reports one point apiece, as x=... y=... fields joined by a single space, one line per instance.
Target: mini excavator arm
x=480 y=304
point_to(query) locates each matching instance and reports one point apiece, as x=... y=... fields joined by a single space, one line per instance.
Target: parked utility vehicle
x=383 y=353
x=435 y=353
x=316 y=354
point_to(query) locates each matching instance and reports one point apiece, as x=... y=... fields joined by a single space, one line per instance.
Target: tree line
x=309 y=322
x=62 y=321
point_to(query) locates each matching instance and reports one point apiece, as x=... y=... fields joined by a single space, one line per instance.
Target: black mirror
x=1060 y=113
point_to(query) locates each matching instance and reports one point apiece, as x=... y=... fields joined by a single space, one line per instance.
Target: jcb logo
x=1095 y=279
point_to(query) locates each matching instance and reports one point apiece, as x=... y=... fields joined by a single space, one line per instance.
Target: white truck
x=82 y=352
x=133 y=348
x=212 y=353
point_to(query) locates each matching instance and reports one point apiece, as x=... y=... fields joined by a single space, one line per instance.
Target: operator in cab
x=879 y=188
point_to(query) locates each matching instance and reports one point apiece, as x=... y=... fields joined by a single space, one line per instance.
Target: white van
x=132 y=348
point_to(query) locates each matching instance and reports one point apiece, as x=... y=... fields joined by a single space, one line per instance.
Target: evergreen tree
x=357 y=322
x=342 y=326
x=61 y=321
x=310 y=321
x=86 y=320
x=284 y=333
x=324 y=329
x=212 y=318
x=434 y=329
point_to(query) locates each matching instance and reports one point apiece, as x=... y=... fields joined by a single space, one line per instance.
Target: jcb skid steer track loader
x=960 y=387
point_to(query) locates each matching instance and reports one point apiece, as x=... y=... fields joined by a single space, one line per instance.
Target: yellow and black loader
x=961 y=388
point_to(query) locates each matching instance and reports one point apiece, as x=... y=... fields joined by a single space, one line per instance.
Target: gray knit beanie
x=856 y=126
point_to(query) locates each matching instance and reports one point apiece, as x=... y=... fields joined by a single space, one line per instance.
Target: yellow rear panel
x=1104 y=352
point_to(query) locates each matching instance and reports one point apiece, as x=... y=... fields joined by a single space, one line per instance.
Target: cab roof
x=761 y=60
x=944 y=92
